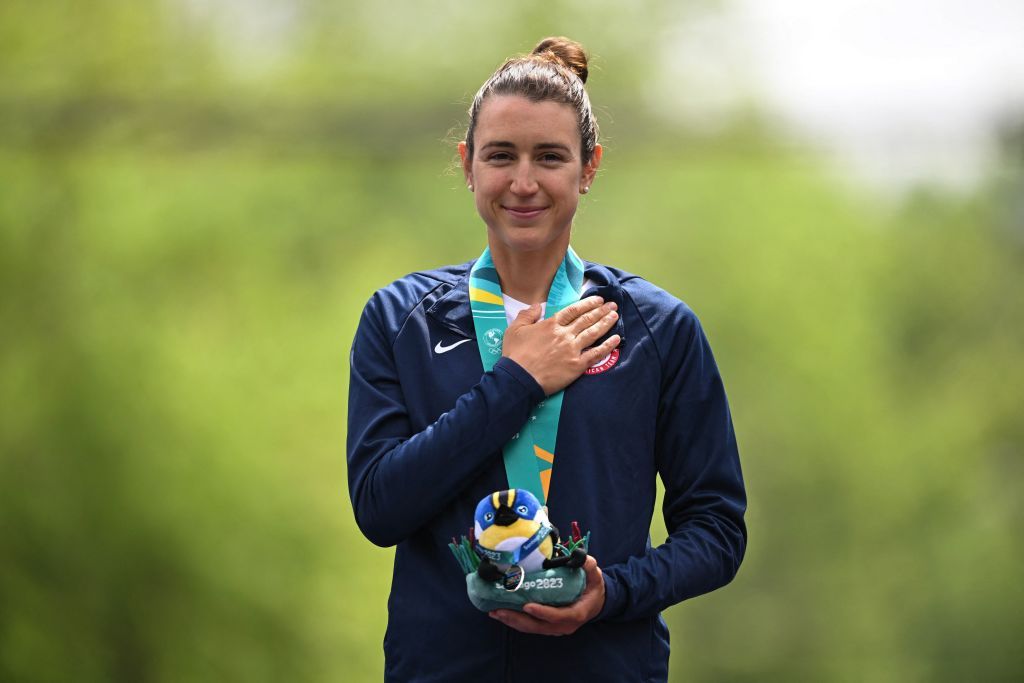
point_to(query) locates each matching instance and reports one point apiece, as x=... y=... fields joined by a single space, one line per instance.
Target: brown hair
x=555 y=71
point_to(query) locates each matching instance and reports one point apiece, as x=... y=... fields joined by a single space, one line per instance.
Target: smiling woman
x=436 y=424
x=527 y=177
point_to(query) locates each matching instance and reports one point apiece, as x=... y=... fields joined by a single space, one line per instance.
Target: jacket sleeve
x=398 y=479
x=697 y=459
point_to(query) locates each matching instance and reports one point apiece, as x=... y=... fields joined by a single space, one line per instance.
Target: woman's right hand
x=557 y=350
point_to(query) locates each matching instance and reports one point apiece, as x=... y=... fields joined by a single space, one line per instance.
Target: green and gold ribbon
x=530 y=455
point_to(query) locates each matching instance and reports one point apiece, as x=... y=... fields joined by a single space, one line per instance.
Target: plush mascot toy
x=516 y=555
x=512 y=528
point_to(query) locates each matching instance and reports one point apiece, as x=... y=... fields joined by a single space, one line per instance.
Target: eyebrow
x=538 y=146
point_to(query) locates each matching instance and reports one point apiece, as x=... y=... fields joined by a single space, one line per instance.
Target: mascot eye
x=488 y=516
x=522 y=510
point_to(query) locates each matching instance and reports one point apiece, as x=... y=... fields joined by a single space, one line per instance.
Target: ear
x=590 y=168
x=467 y=163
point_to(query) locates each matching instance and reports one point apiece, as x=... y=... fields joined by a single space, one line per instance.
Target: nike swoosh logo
x=440 y=348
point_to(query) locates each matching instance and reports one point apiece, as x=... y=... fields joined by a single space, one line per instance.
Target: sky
x=897 y=92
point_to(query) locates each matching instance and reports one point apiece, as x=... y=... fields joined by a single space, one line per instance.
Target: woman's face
x=526 y=172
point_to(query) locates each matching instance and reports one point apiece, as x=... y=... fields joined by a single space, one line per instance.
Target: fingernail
x=613 y=305
x=613 y=315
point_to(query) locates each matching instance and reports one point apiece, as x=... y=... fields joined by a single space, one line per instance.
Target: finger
x=591 y=356
x=590 y=317
x=556 y=616
x=593 y=572
x=575 y=310
x=524 y=622
x=574 y=614
x=595 y=331
x=563 y=620
x=527 y=316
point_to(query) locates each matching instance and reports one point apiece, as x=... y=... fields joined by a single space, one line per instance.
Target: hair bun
x=566 y=52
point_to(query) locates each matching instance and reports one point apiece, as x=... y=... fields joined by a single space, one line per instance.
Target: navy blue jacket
x=425 y=433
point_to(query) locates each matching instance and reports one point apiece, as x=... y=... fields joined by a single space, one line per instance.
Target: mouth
x=524 y=212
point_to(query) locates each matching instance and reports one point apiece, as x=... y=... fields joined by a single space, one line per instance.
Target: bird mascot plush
x=514 y=555
x=512 y=529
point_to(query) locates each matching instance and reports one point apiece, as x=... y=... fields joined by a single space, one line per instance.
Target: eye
x=499 y=157
x=551 y=158
x=522 y=510
x=488 y=516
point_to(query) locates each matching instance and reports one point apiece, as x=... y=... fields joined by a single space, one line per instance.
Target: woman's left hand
x=559 y=621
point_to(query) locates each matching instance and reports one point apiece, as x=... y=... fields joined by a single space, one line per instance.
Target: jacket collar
x=452 y=309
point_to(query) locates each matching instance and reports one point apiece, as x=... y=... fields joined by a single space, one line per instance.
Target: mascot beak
x=505 y=516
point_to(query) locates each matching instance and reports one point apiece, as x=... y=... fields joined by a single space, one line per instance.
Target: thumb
x=528 y=316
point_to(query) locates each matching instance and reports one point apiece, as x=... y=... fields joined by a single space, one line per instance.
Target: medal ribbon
x=530 y=454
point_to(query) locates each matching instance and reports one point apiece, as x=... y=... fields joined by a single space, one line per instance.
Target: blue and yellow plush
x=511 y=527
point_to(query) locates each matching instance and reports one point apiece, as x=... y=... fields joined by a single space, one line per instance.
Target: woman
x=606 y=379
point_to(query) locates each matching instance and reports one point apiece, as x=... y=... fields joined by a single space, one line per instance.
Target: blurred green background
x=196 y=200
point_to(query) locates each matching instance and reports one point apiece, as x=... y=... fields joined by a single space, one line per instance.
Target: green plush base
x=561 y=586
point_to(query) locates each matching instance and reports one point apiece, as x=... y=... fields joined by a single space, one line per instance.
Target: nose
x=523 y=182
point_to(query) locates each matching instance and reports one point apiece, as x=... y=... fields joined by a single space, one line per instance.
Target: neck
x=527 y=276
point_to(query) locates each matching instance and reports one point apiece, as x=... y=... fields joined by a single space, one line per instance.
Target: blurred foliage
x=196 y=199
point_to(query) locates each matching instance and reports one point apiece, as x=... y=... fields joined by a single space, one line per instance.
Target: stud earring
x=585 y=190
x=470 y=186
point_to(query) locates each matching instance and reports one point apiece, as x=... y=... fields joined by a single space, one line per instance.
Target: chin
x=526 y=240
